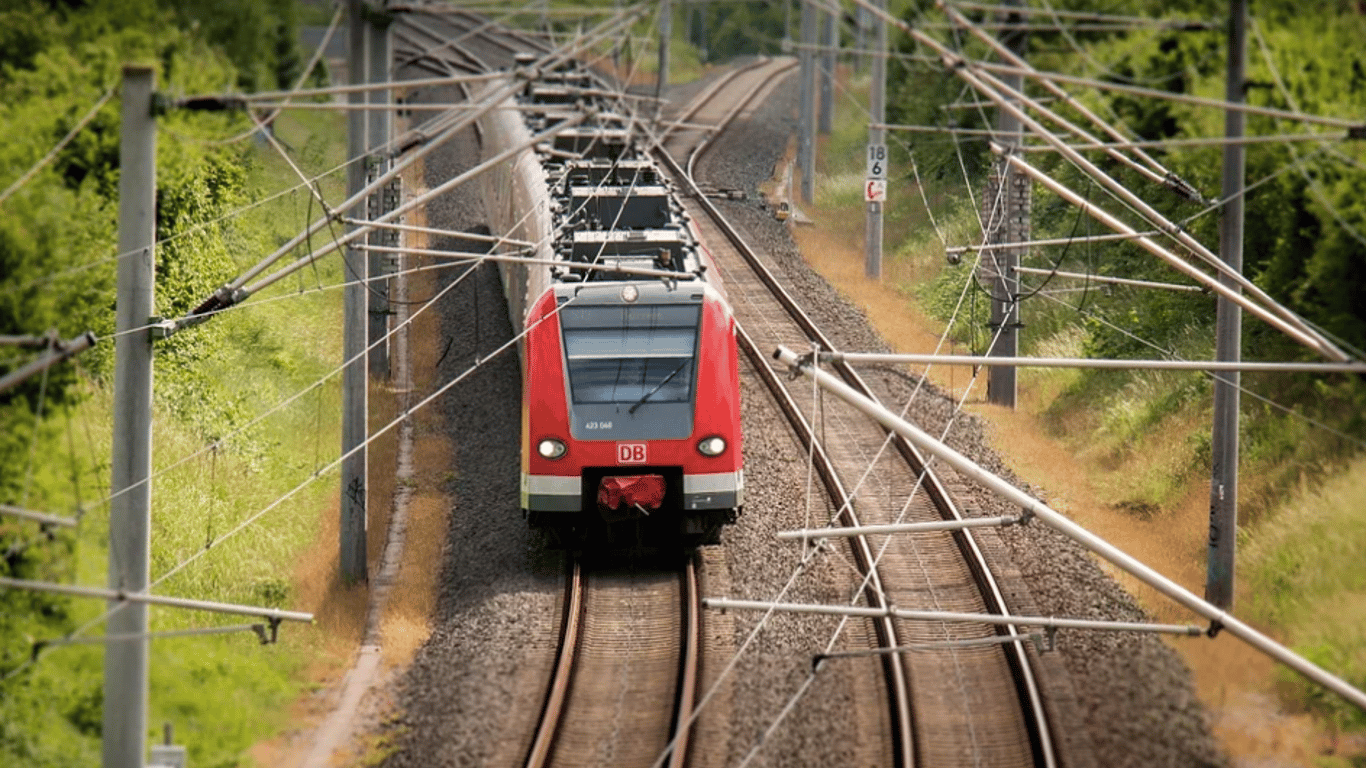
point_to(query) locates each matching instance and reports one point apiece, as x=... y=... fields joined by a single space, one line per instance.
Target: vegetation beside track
x=1144 y=437
x=222 y=693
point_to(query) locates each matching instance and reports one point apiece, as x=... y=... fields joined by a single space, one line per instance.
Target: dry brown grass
x=341 y=611
x=407 y=617
x=406 y=622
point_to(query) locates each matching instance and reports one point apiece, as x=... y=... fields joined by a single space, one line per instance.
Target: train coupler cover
x=622 y=497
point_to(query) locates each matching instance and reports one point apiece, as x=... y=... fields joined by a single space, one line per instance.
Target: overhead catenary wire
x=863 y=479
x=374 y=436
x=339 y=368
x=1220 y=620
x=227 y=294
x=1154 y=171
x=1026 y=10
x=760 y=741
x=994 y=89
x=315 y=475
x=362 y=445
x=290 y=399
x=238 y=289
x=1309 y=339
x=337 y=242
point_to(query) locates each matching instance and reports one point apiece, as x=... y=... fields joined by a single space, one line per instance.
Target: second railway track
x=949 y=705
x=474 y=691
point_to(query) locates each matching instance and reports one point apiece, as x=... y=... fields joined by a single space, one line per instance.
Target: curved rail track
x=627 y=640
x=949 y=706
x=626 y=674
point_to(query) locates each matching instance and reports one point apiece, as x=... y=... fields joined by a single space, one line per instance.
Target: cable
x=1167 y=353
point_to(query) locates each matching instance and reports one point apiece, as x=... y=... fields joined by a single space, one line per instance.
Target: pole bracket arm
x=160 y=328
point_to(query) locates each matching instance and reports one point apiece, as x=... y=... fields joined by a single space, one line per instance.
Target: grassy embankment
x=224 y=692
x=1126 y=454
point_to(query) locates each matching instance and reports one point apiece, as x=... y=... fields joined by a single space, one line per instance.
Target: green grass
x=222 y=693
x=1306 y=581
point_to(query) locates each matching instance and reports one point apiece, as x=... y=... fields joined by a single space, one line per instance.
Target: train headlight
x=712 y=446
x=630 y=293
x=551 y=448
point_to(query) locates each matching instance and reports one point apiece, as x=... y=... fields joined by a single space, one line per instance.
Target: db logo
x=630 y=453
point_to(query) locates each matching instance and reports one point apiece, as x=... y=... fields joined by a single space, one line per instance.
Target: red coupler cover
x=630 y=490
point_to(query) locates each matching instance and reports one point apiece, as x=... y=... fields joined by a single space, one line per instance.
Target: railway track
x=627 y=669
x=970 y=704
x=623 y=641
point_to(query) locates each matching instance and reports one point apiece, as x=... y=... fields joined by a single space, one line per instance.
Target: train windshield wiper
x=658 y=386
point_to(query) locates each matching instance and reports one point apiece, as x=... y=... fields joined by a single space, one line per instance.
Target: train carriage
x=631 y=410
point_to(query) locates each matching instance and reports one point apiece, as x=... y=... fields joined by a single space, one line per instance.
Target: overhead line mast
x=124 y=739
x=1223 y=493
x=1005 y=216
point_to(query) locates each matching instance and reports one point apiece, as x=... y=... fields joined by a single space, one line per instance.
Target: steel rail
x=691 y=667
x=898 y=678
x=552 y=710
x=1220 y=620
x=695 y=105
x=1017 y=657
x=740 y=106
x=415 y=35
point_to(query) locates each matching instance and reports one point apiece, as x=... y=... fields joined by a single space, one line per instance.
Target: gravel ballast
x=1125 y=700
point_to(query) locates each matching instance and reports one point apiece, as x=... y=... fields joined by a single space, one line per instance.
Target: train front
x=632 y=414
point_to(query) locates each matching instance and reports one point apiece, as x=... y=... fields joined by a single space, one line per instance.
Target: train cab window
x=622 y=354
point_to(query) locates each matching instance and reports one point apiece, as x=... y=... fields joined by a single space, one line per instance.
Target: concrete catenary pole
x=829 y=44
x=806 y=121
x=666 y=33
x=862 y=21
x=130 y=507
x=1006 y=211
x=379 y=129
x=877 y=139
x=1223 y=495
x=355 y=324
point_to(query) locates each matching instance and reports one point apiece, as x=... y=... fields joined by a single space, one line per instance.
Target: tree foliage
x=58 y=242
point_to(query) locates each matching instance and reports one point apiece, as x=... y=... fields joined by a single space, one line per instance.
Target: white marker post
x=875 y=186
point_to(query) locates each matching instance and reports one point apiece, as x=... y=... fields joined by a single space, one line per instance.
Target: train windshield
x=628 y=353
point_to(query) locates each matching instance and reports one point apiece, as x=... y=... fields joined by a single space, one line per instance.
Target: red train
x=631 y=404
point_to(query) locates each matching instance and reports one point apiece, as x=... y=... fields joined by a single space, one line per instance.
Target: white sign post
x=875 y=190
x=877 y=161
